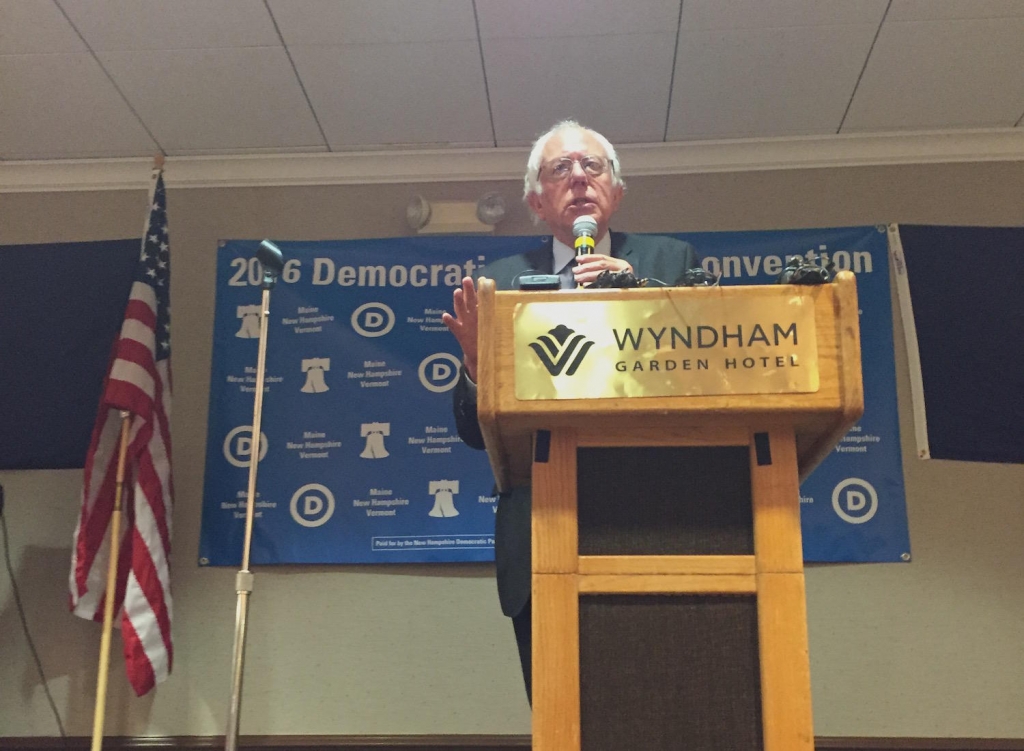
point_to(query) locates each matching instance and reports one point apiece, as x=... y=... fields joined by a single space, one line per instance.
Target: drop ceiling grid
x=203 y=75
x=953 y=10
x=709 y=15
x=619 y=86
x=570 y=19
x=214 y=76
x=751 y=82
x=606 y=64
x=339 y=22
x=63 y=106
x=389 y=73
x=147 y=25
x=429 y=93
x=35 y=27
x=193 y=99
x=942 y=74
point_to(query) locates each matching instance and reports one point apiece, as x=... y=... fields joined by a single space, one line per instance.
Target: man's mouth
x=582 y=201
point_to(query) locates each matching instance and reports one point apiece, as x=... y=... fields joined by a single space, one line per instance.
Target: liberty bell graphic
x=444 y=504
x=374 y=433
x=314 y=368
x=250 y=327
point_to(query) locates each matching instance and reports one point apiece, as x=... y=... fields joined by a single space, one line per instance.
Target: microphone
x=272 y=260
x=270 y=255
x=584 y=229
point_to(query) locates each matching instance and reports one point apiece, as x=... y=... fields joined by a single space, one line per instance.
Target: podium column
x=697 y=612
x=556 y=637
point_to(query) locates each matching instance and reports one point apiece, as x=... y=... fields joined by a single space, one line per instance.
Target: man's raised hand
x=464 y=323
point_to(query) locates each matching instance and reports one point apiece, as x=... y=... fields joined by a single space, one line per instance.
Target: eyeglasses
x=560 y=169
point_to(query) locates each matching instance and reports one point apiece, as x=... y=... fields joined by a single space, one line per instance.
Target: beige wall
x=931 y=648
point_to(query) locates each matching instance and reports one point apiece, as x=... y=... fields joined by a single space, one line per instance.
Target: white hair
x=531 y=182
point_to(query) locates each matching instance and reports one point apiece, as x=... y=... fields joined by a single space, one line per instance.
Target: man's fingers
x=464 y=303
x=469 y=292
x=589 y=259
x=587 y=271
x=465 y=300
x=591 y=263
x=589 y=267
x=459 y=302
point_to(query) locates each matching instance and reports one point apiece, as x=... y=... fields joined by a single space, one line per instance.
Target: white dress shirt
x=563 y=253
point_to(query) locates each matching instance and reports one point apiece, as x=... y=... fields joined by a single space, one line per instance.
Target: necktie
x=566 y=280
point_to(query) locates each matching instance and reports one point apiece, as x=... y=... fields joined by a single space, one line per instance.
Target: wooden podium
x=668 y=587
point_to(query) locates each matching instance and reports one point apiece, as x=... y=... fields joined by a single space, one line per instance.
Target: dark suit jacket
x=661 y=258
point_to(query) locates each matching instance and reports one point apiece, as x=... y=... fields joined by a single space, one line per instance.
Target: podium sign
x=700 y=345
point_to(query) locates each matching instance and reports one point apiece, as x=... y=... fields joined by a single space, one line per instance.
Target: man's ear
x=617 y=193
x=535 y=204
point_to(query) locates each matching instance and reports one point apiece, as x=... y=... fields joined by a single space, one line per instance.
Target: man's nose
x=578 y=174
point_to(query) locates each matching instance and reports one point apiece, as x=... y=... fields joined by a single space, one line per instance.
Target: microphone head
x=270 y=256
x=584 y=225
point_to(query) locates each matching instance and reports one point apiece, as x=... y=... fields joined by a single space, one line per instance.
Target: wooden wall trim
x=920 y=744
x=449 y=743
x=280 y=743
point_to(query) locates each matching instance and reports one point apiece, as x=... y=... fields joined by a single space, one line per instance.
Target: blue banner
x=359 y=458
x=853 y=506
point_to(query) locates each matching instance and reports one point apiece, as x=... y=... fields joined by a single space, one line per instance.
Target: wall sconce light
x=455 y=217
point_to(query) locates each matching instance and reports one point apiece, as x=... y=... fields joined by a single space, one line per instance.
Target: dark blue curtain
x=967 y=288
x=61 y=308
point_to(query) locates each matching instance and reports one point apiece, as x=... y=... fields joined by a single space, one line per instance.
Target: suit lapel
x=622 y=248
x=541 y=260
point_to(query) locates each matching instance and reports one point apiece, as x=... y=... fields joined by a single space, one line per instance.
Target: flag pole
x=108 y=599
x=103 y=673
x=272 y=262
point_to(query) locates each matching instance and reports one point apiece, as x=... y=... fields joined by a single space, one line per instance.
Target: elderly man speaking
x=572 y=171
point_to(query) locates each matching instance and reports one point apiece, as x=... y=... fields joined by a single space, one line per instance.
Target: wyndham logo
x=561 y=350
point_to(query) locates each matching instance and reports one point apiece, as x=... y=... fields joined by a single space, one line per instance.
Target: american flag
x=139 y=381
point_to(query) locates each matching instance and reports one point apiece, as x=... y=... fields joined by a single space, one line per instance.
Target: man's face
x=579 y=193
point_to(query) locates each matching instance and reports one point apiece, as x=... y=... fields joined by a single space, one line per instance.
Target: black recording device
x=699 y=277
x=810 y=271
x=608 y=279
x=539 y=281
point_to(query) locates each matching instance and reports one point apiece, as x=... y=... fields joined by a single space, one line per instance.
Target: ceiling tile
x=500 y=19
x=179 y=25
x=63 y=106
x=942 y=74
x=210 y=99
x=765 y=14
x=373 y=21
x=414 y=93
x=770 y=82
x=617 y=84
x=952 y=10
x=28 y=26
